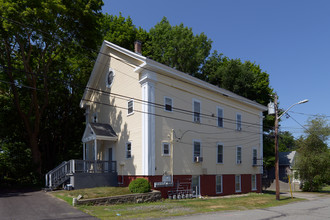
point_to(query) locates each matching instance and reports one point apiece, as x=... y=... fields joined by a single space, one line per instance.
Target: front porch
x=83 y=174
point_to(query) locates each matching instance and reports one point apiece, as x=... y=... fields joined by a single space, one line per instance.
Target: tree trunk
x=36 y=155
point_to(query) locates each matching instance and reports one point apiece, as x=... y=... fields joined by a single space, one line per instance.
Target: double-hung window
x=220 y=117
x=130 y=107
x=238 y=155
x=218 y=183
x=254 y=181
x=128 y=150
x=168 y=103
x=166 y=149
x=237 y=183
x=219 y=153
x=238 y=122
x=254 y=157
x=197 y=150
x=197 y=111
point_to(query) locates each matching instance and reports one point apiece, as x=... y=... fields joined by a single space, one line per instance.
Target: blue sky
x=289 y=39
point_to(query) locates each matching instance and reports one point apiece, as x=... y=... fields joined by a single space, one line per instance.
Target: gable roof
x=286 y=158
x=149 y=64
x=99 y=131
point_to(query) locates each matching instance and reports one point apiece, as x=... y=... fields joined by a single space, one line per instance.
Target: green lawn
x=167 y=208
x=91 y=193
x=326 y=189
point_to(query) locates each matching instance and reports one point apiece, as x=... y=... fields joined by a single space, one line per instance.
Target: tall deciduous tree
x=313 y=162
x=35 y=35
x=177 y=47
x=245 y=79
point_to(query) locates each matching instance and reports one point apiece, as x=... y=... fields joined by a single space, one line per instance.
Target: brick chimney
x=138 y=47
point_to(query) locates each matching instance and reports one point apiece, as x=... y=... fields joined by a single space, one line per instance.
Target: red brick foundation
x=207 y=184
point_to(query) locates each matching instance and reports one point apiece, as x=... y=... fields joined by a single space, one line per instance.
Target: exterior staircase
x=65 y=172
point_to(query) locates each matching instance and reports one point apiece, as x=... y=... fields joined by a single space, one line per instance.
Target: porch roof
x=99 y=131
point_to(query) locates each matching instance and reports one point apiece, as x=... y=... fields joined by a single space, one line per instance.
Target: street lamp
x=276 y=142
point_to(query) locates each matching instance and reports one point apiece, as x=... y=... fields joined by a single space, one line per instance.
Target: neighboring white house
x=179 y=132
x=287 y=162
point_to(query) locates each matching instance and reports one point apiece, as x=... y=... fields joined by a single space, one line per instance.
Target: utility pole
x=276 y=151
x=277 y=118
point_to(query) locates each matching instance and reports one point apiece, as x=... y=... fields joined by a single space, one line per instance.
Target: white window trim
x=193 y=148
x=131 y=113
x=253 y=149
x=126 y=150
x=238 y=128
x=169 y=149
x=237 y=161
x=200 y=110
x=218 y=107
x=106 y=79
x=254 y=187
x=216 y=183
x=219 y=143
x=166 y=97
x=240 y=183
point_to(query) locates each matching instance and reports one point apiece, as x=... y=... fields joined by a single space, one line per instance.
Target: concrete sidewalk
x=29 y=204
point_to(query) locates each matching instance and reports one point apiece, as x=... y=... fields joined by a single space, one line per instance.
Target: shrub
x=139 y=185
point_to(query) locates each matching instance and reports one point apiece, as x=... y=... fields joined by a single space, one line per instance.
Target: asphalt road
x=36 y=205
x=317 y=207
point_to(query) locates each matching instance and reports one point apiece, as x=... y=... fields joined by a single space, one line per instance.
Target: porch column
x=95 y=149
x=84 y=151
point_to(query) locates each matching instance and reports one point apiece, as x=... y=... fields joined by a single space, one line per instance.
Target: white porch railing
x=62 y=173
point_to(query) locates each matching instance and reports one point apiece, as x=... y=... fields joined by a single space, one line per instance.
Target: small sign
x=163 y=184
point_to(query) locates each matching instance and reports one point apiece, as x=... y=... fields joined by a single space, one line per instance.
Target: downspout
x=172 y=155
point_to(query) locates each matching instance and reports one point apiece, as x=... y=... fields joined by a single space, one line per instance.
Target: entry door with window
x=110 y=156
x=195 y=185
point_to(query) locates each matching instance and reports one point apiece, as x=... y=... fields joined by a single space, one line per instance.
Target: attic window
x=110 y=77
x=95 y=118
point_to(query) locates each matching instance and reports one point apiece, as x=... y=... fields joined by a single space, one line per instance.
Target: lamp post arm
x=287 y=110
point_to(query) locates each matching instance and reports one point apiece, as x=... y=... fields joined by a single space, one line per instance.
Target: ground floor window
x=128 y=150
x=254 y=182
x=238 y=183
x=195 y=185
x=218 y=184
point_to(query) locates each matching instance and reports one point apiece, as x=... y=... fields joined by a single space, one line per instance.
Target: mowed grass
x=168 y=208
x=90 y=193
x=326 y=189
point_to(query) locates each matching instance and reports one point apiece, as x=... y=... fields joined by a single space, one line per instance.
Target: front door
x=110 y=160
x=110 y=154
x=195 y=185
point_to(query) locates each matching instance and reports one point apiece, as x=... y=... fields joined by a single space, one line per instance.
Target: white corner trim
x=148 y=127
x=261 y=152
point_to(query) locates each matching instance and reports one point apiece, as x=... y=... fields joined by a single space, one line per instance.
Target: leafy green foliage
x=313 y=162
x=42 y=56
x=139 y=185
x=177 y=47
x=245 y=79
x=286 y=141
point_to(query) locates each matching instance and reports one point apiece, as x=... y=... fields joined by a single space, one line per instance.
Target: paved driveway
x=317 y=207
x=28 y=205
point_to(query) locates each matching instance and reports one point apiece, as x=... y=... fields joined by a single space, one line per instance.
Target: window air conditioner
x=198 y=159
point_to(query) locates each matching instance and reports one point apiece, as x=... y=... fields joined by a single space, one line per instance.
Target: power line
x=162 y=106
x=168 y=117
x=133 y=65
x=184 y=111
x=312 y=115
